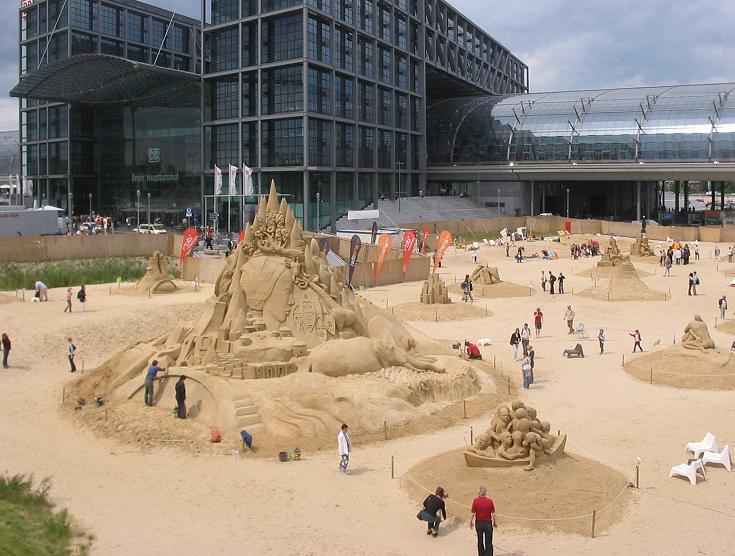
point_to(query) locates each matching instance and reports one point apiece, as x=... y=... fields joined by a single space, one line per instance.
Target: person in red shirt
x=538 y=320
x=483 y=518
x=473 y=352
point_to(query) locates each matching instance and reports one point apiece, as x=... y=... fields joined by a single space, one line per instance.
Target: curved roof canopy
x=103 y=79
x=682 y=122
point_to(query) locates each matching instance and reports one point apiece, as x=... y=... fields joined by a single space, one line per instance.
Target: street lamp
x=399 y=164
x=149 y=207
x=498 y=202
x=138 y=207
x=90 y=207
x=68 y=207
x=318 y=202
x=567 y=202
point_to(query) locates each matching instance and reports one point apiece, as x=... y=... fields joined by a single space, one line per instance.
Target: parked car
x=89 y=228
x=150 y=229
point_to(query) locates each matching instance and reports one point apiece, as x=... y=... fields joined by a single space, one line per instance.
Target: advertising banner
x=445 y=240
x=355 y=245
x=408 y=245
x=191 y=238
x=384 y=245
x=423 y=241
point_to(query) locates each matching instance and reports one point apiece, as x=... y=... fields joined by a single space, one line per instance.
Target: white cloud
x=9 y=114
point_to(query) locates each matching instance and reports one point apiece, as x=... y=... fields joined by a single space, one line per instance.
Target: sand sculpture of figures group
x=696 y=336
x=516 y=436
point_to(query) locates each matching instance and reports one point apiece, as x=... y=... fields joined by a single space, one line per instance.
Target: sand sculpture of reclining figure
x=696 y=336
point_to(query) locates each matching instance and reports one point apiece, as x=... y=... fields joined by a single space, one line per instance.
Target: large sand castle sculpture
x=434 y=291
x=281 y=312
x=485 y=275
x=156 y=279
x=620 y=282
x=612 y=255
x=516 y=436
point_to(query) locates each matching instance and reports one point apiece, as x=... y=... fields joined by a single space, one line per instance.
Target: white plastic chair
x=723 y=457
x=580 y=330
x=484 y=342
x=708 y=444
x=689 y=470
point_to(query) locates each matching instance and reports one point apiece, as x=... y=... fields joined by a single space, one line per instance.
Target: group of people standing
x=552 y=281
x=591 y=249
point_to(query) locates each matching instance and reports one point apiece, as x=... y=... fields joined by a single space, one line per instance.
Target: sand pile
x=439 y=313
x=495 y=291
x=685 y=368
x=606 y=271
x=622 y=283
x=570 y=486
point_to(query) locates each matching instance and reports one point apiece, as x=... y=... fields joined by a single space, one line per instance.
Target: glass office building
x=329 y=97
x=110 y=107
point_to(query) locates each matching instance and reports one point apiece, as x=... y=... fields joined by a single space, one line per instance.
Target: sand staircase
x=246 y=416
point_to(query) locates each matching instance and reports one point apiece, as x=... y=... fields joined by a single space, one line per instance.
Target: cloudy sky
x=567 y=44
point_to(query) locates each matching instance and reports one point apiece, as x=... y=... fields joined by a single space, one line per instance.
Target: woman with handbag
x=433 y=504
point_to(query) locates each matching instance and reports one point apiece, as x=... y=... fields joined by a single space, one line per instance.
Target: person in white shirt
x=344 y=447
x=525 y=338
x=42 y=290
x=601 y=339
x=569 y=317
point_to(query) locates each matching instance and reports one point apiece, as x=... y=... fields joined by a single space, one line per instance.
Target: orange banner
x=408 y=245
x=445 y=240
x=384 y=245
x=191 y=238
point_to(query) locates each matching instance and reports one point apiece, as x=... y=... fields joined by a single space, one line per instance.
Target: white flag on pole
x=232 y=181
x=247 y=181
x=217 y=180
x=17 y=184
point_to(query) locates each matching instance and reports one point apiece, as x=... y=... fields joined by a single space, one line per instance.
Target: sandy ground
x=169 y=501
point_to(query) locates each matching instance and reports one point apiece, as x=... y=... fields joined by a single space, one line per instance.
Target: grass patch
x=72 y=272
x=30 y=525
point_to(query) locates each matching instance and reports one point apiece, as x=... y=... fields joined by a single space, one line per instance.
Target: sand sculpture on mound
x=516 y=436
x=280 y=311
x=612 y=256
x=620 y=282
x=696 y=336
x=485 y=275
x=640 y=247
x=156 y=279
x=434 y=291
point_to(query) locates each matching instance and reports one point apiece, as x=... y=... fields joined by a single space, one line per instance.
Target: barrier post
x=509 y=386
x=385 y=429
x=63 y=393
x=637 y=476
x=493 y=362
x=623 y=362
x=594 y=515
x=472 y=437
x=651 y=379
x=392 y=467
x=464 y=408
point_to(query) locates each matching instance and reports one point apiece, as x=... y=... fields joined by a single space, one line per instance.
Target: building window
x=366 y=49
x=30 y=54
x=53 y=13
x=250 y=93
x=111 y=20
x=31 y=126
x=158 y=32
x=224 y=49
x=415 y=77
x=137 y=53
x=367 y=8
x=283 y=142
x=385 y=113
x=343 y=10
x=32 y=167
x=384 y=59
x=82 y=43
x=58 y=157
x=273 y=5
x=345 y=143
x=282 y=90
x=415 y=113
x=225 y=145
x=320 y=90
x=402 y=33
x=320 y=142
x=282 y=38
x=386 y=23
x=401 y=151
x=42 y=159
x=181 y=39
x=344 y=48
x=58 y=47
x=401 y=110
x=249 y=44
x=344 y=95
x=42 y=123
x=322 y=5
x=181 y=63
x=250 y=144
x=225 y=10
x=366 y=101
x=223 y=98
x=249 y=7
x=385 y=149
x=135 y=27
x=30 y=24
x=366 y=148
x=401 y=80
x=109 y=46
x=319 y=39
x=84 y=14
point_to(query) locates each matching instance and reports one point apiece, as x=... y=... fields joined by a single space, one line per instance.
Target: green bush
x=70 y=273
x=28 y=522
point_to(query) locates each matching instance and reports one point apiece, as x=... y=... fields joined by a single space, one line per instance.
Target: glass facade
x=681 y=123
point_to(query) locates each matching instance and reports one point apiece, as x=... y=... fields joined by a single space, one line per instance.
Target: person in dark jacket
x=6 y=349
x=181 y=397
x=82 y=297
x=434 y=504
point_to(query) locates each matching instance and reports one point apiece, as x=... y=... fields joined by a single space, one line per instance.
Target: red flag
x=384 y=245
x=408 y=245
x=191 y=237
x=355 y=245
x=423 y=241
x=445 y=240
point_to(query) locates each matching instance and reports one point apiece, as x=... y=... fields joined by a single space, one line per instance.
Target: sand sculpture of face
x=504 y=414
x=268 y=287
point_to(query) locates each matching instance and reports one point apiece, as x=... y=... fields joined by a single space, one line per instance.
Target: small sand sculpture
x=156 y=279
x=696 y=336
x=641 y=248
x=515 y=437
x=612 y=256
x=434 y=291
x=485 y=275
